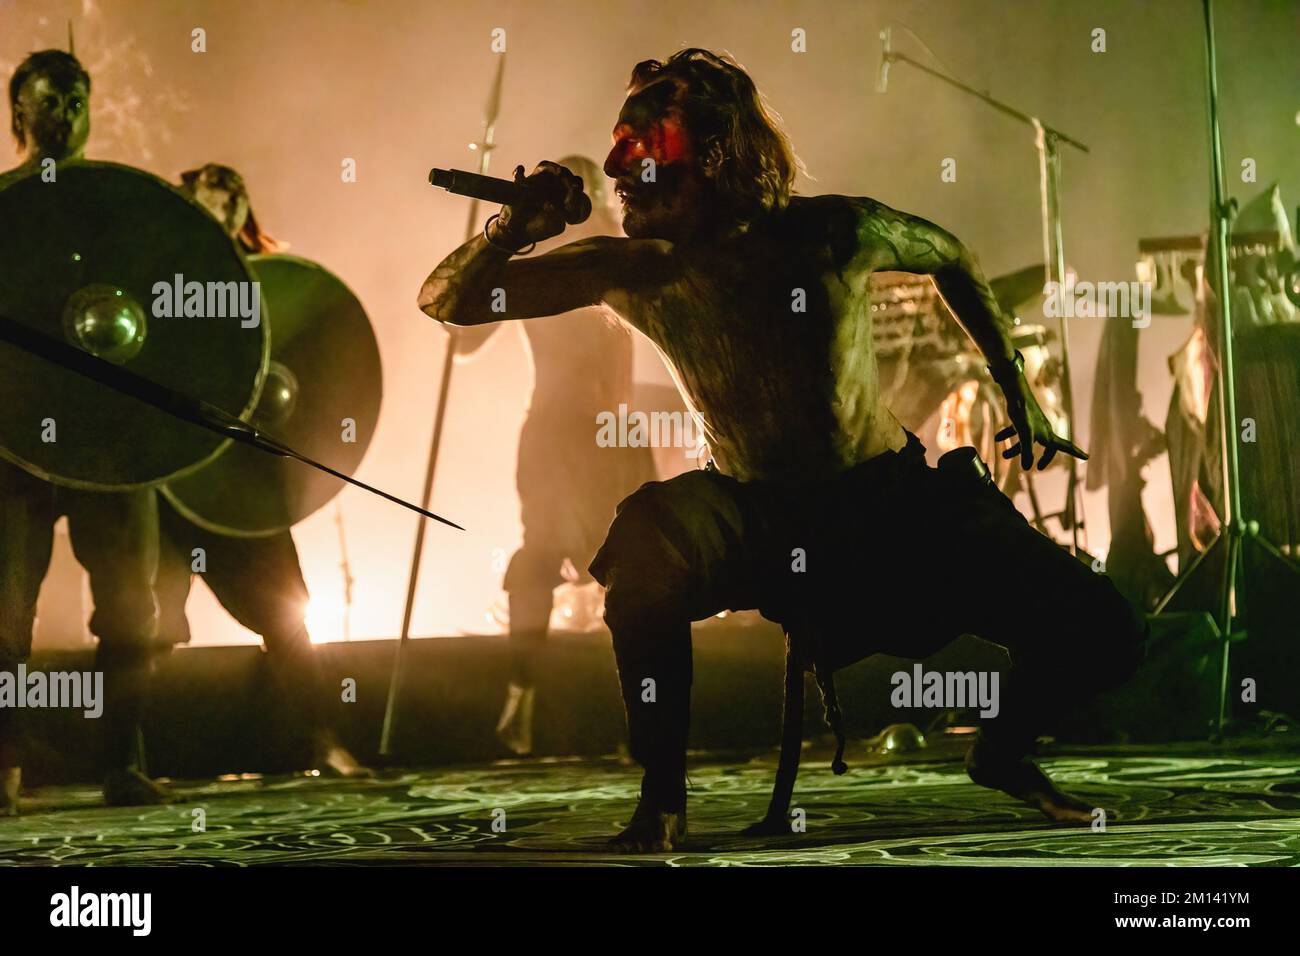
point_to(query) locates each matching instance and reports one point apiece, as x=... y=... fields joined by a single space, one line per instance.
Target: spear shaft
x=484 y=148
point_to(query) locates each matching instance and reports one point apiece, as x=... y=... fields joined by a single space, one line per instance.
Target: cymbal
x=324 y=371
x=88 y=256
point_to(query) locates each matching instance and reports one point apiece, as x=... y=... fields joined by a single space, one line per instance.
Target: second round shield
x=322 y=396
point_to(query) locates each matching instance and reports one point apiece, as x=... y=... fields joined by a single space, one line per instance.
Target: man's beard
x=636 y=223
x=663 y=209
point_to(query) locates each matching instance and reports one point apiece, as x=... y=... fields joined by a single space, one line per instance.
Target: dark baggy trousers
x=259 y=582
x=114 y=536
x=890 y=557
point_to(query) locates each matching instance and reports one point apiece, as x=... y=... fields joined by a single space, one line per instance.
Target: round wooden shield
x=323 y=389
x=115 y=261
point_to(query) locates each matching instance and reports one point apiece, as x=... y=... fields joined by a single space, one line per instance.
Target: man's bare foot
x=11 y=779
x=768 y=826
x=131 y=788
x=1021 y=778
x=651 y=831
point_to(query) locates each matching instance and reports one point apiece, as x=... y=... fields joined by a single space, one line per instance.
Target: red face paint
x=664 y=141
x=650 y=127
x=672 y=141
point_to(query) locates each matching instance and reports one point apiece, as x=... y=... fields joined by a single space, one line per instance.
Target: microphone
x=886 y=57
x=507 y=192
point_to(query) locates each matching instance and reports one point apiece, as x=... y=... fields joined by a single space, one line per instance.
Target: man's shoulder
x=837 y=212
x=846 y=224
x=835 y=204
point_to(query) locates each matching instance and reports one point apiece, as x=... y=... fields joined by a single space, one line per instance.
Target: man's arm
x=889 y=240
x=482 y=282
x=895 y=241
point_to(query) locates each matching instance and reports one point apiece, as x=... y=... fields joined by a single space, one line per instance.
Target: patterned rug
x=1162 y=810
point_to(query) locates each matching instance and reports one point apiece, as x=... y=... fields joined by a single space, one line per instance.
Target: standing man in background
x=568 y=486
x=114 y=534
x=258 y=580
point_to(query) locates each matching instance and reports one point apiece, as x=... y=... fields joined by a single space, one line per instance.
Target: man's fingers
x=1018 y=429
x=553 y=179
x=1026 y=443
x=574 y=191
x=1070 y=448
x=1047 y=457
x=1014 y=430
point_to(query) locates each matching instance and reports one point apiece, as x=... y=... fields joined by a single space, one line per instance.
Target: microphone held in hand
x=504 y=191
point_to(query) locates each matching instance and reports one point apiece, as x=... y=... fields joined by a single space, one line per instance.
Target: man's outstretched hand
x=1030 y=426
x=555 y=196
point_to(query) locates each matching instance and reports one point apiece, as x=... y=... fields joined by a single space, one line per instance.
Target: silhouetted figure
x=761 y=303
x=568 y=485
x=257 y=580
x=114 y=535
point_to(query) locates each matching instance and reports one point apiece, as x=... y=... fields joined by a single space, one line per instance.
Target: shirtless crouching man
x=806 y=455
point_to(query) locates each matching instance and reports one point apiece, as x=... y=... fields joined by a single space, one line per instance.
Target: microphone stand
x=484 y=148
x=1047 y=141
x=1234 y=530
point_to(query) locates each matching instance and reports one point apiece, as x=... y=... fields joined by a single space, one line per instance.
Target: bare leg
x=668 y=560
x=651 y=831
x=1068 y=631
x=1021 y=778
x=654 y=669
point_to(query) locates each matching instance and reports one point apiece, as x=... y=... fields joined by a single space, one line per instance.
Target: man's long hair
x=724 y=107
x=63 y=68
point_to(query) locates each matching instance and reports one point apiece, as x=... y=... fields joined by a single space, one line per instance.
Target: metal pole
x=484 y=148
x=1234 y=530
x=1049 y=166
x=1047 y=140
x=1220 y=215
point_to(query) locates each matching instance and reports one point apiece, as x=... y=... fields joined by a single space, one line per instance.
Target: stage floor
x=1178 y=810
